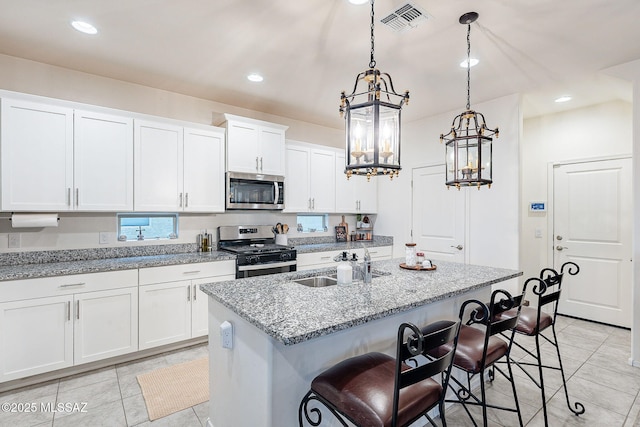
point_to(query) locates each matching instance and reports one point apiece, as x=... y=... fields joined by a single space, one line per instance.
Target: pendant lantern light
x=469 y=160
x=372 y=118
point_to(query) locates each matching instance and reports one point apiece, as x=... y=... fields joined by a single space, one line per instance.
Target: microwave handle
x=277 y=197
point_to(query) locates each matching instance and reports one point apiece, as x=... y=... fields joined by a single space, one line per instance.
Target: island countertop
x=292 y=313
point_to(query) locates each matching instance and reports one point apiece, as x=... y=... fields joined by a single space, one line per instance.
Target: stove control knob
x=285 y=256
x=252 y=259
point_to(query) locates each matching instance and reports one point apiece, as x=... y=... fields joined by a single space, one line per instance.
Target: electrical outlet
x=538 y=233
x=226 y=333
x=104 y=238
x=14 y=240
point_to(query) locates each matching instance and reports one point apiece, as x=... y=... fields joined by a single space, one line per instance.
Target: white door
x=106 y=324
x=103 y=162
x=592 y=227
x=158 y=167
x=36 y=156
x=322 y=181
x=271 y=151
x=165 y=313
x=366 y=194
x=345 y=188
x=242 y=147
x=438 y=215
x=36 y=336
x=203 y=171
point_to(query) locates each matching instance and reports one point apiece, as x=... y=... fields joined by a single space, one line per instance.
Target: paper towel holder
x=33 y=220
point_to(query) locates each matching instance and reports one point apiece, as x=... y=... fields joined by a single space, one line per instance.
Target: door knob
x=459 y=247
x=558 y=237
x=559 y=248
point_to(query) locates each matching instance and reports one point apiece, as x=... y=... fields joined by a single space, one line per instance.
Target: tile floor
x=595 y=359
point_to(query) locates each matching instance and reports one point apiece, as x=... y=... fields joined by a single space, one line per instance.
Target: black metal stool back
x=533 y=322
x=366 y=389
x=498 y=318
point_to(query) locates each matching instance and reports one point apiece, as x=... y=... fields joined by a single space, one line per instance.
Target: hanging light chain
x=468 y=66
x=372 y=61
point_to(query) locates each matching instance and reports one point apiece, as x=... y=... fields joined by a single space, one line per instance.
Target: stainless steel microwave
x=254 y=191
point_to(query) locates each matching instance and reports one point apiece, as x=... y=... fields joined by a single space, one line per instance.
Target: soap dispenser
x=344 y=270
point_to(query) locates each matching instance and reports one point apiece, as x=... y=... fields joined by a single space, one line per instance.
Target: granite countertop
x=292 y=313
x=52 y=269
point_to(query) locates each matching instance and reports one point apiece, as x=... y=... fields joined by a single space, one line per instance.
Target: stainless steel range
x=257 y=253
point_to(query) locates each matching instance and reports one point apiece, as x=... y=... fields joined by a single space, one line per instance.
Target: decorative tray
x=418 y=267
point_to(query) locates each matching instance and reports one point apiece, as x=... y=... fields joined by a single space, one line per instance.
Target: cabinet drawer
x=15 y=290
x=173 y=273
x=320 y=259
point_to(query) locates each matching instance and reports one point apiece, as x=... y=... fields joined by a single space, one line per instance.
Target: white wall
x=597 y=131
x=493 y=223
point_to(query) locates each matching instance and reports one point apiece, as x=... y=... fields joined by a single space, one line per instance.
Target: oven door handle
x=277 y=196
x=266 y=265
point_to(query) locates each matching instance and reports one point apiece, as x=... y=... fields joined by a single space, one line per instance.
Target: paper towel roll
x=34 y=220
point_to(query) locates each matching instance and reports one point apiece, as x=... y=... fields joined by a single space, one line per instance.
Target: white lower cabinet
x=313 y=260
x=57 y=322
x=173 y=310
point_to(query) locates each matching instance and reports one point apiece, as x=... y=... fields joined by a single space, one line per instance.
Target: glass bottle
x=410 y=254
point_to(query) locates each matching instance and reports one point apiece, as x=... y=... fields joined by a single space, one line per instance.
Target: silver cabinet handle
x=191 y=272
x=195 y=294
x=68 y=310
x=78 y=309
x=459 y=247
x=188 y=293
x=180 y=201
x=309 y=203
x=325 y=257
x=77 y=196
x=313 y=203
x=69 y=196
x=186 y=200
x=257 y=169
x=260 y=164
x=72 y=285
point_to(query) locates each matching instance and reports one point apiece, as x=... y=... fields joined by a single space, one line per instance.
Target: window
x=312 y=223
x=147 y=226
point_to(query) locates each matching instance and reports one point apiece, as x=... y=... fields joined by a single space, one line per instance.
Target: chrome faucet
x=366 y=267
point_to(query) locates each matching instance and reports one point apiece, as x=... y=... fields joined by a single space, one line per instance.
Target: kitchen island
x=285 y=333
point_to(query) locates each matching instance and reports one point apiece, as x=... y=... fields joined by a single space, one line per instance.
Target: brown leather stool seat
x=468 y=355
x=528 y=321
x=362 y=387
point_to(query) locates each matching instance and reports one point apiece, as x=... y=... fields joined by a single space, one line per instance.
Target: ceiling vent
x=405 y=17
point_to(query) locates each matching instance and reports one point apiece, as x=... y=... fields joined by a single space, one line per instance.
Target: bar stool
x=534 y=321
x=375 y=389
x=479 y=349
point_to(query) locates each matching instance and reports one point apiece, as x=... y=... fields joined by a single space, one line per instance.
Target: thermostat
x=537 y=207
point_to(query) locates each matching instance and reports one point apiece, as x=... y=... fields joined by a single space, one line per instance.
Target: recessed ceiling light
x=84 y=27
x=472 y=62
x=358 y=2
x=563 y=98
x=254 y=77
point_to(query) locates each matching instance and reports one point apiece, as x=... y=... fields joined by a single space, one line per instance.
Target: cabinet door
x=272 y=157
x=322 y=178
x=106 y=324
x=36 y=156
x=165 y=313
x=203 y=171
x=296 y=184
x=36 y=336
x=200 y=305
x=103 y=162
x=367 y=193
x=158 y=175
x=345 y=192
x=242 y=147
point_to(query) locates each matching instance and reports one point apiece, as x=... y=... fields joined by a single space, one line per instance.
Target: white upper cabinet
x=36 y=152
x=178 y=169
x=203 y=170
x=254 y=146
x=103 y=148
x=309 y=179
x=158 y=167
x=356 y=194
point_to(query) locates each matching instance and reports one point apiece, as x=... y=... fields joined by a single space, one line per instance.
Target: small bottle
x=410 y=254
x=355 y=268
x=419 y=258
x=344 y=271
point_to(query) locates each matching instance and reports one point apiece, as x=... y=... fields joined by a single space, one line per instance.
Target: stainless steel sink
x=373 y=275
x=318 y=281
